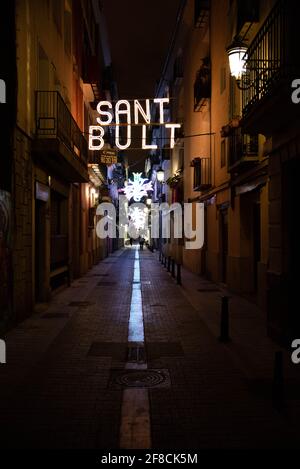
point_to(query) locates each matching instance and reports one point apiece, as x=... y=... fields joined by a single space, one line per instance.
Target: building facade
x=63 y=67
x=237 y=153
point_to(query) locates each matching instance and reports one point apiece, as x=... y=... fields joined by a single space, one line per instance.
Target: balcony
x=273 y=62
x=202 y=86
x=202 y=174
x=243 y=150
x=59 y=143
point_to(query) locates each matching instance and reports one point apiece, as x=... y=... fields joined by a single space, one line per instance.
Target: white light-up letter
x=125 y=112
x=108 y=114
x=161 y=102
x=139 y=109
x=96 y=138
x=144 y=144
x=172 y=138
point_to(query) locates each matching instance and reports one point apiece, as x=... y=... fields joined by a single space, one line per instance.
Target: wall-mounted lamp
x=237 y=55
x=160 y=174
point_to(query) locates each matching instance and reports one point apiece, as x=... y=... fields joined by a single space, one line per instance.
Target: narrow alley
x=126 y=358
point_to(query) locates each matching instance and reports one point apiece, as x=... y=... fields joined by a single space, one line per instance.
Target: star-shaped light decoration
x=137 y=218
x=137 y=188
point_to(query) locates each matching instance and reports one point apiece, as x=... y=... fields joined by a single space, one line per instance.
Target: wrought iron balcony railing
x=242 y=147
x=202 y=173
x=272 y=57
x=54 y=120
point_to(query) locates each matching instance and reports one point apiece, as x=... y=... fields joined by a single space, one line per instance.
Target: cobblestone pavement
x=56 y=390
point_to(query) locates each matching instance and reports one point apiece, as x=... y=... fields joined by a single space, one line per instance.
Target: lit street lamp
x=160 y=174
x=237 y=54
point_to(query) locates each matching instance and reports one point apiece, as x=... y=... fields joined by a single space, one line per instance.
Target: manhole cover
x=140 y=379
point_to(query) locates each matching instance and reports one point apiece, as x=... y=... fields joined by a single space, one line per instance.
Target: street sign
x=108 y=157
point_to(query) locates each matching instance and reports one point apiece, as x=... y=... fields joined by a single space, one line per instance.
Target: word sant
x=125 y=117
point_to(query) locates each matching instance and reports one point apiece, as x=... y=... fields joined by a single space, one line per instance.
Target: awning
x=251 y=186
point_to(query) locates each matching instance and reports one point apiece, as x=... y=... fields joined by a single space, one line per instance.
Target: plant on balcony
x=174 y=180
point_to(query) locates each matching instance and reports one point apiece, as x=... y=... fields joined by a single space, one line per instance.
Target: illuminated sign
x=126 y=117
x=108 y=157
x=137 y=188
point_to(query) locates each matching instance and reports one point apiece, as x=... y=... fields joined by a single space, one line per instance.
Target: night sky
x=139 y=34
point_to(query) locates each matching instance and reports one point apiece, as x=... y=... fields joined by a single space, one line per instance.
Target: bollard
x=159 y=258
x=173 y=268
x=165 y=262
x=169 y=263
x=278 y=383
x=162 y=258
x=178 y=274
x=224 y=332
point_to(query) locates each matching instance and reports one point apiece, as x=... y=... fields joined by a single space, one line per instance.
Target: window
x=43 y=69
x=202 y=173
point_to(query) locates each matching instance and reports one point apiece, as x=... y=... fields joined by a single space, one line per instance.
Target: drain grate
x=136 y=354
x=80 y=303
x=55 y=315
x=140 y=379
